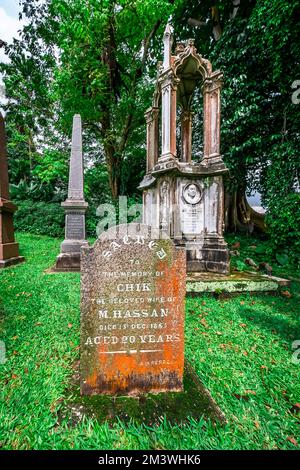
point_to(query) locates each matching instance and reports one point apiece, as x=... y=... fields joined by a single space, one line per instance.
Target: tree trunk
x=239 y=215
x=113 y=162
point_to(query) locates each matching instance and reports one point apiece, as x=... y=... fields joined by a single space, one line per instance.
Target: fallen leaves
x=241 y=397
x=292 y=440
x=204 y=323
x=295 y=408
x=26 y=294
x=235 y=246
x=250 y=262
x=245 y=396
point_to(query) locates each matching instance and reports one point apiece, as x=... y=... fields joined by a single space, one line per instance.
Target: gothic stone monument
x=74 y=206
x=9 y=249
x=132 y=313
x=180 y=196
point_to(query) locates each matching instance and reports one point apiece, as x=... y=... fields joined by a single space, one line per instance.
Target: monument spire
x=74 y=206
x=75 y=188
x=168 y=41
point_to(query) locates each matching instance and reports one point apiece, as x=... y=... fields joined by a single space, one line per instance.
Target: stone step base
x=11 y=261
x=66 y=262
x=234 y=282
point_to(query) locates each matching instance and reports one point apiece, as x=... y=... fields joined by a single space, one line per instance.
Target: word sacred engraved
x=138 y=240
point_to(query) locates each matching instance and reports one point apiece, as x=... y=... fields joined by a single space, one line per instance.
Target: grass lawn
x=241 y=348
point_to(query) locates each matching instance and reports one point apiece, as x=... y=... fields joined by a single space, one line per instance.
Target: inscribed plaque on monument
x=132 y=313
x=191 y=209
x=75 y=226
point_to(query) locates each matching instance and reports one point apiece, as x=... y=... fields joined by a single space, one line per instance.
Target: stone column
x=74 y=206
x=168 y=120
x=9 y=249
x=151 y=116
x=168 y=84
x=212 y=116
x=186 y=136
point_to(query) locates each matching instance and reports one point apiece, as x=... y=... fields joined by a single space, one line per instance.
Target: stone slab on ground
x=234 y=282
x=150 y=409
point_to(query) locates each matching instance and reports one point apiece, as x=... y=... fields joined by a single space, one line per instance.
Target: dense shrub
x=47 y=218
x=283 y=219
x=40 y=218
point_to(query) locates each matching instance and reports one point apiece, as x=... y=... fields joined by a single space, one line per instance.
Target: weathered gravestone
x=9 y=249
x=132 y=313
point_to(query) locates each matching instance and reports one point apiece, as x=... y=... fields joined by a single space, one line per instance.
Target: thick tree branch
x=138 y=73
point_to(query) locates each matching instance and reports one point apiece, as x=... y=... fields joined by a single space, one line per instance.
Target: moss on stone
x=177 y=407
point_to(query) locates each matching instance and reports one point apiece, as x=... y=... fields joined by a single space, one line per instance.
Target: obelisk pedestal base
x=69 y=257
x=67 y=262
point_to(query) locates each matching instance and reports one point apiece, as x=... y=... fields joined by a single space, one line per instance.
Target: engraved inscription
x=191 y=211
x=132 y=316
x=75 y=226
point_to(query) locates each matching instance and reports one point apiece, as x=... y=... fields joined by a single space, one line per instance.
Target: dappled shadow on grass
x=195 y=402
x=272 y=321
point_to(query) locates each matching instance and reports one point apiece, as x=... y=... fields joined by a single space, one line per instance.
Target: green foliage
x=99 y=59
x=284 y=221
x=258 y=52
x=35 y=191
x=47 y=218
x=52 y=167
x=96 y=187
x=40 y=218
x=241 y=266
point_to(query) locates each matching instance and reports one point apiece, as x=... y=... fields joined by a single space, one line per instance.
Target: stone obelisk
x=9 y=249
x=74 y=206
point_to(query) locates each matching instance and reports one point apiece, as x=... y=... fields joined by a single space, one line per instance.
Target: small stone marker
x=132 y=313
x=75 y=207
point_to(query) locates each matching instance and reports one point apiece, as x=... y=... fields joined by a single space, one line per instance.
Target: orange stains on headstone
x=132 y=313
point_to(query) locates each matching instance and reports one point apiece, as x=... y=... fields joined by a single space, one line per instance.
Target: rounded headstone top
x=133 y=229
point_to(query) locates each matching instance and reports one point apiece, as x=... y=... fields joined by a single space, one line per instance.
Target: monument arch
x=172 y=182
